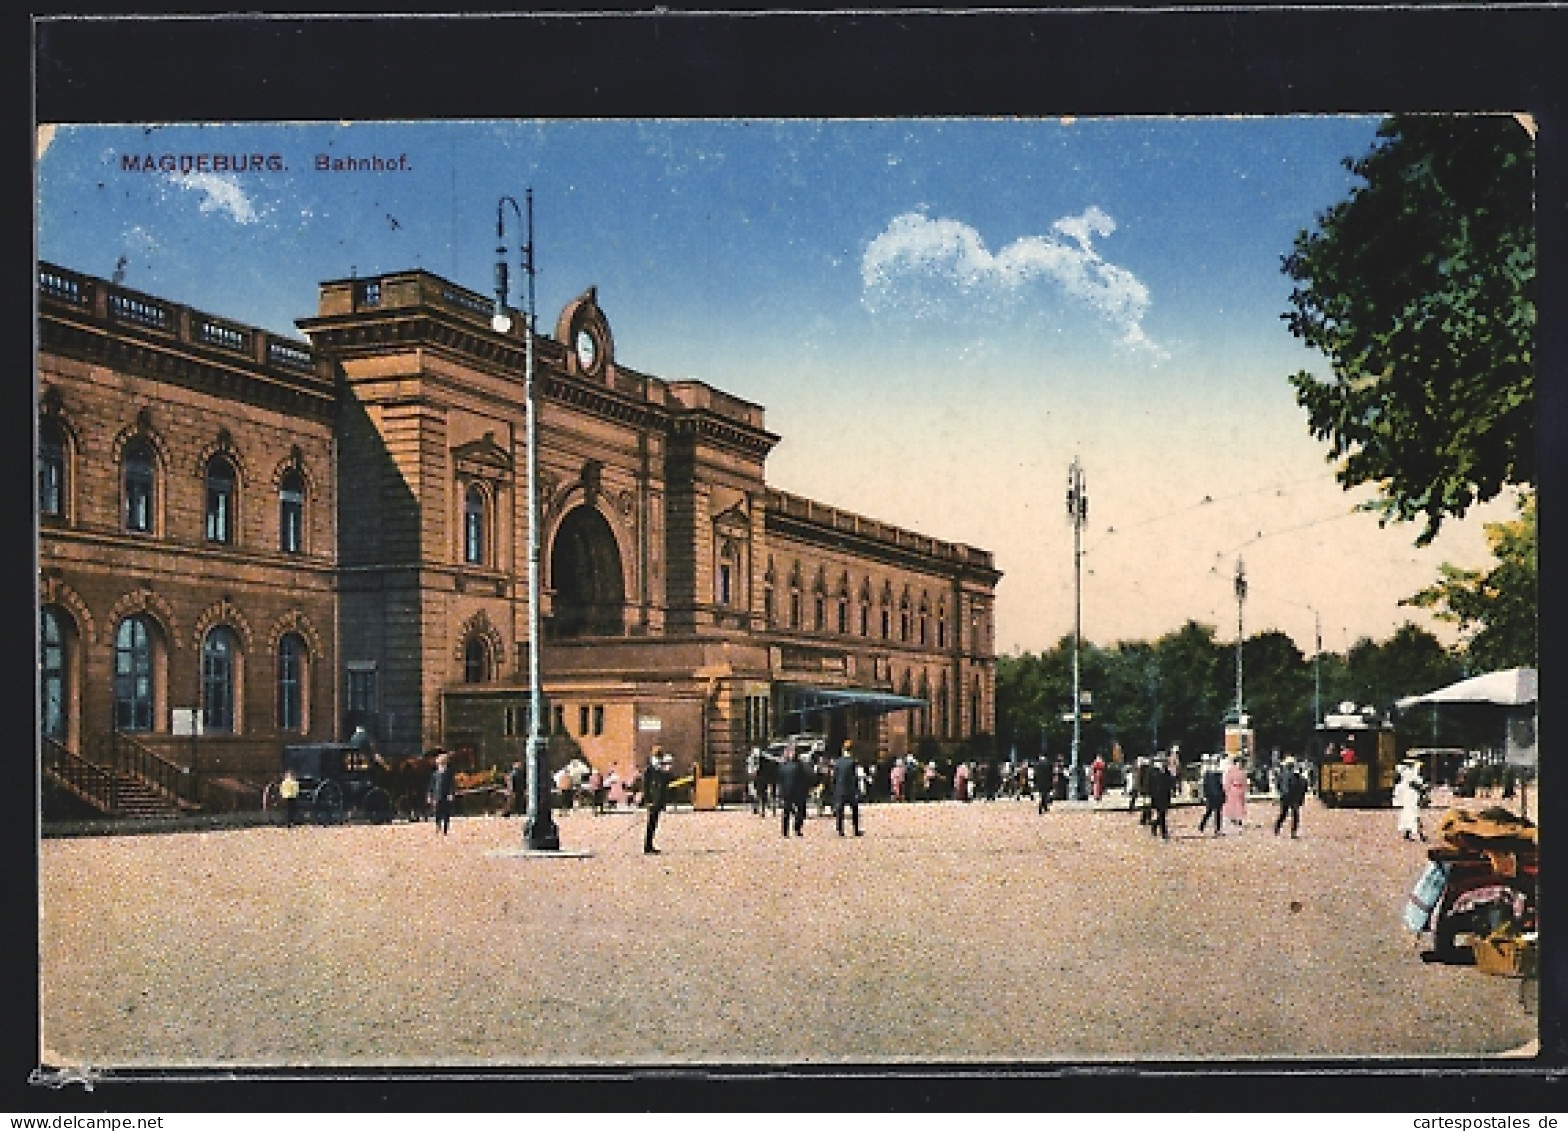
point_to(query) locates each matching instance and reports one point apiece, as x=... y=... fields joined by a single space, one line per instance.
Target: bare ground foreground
x=950 y=932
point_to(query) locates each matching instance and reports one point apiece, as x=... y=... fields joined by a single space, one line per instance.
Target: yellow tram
x=1357 y=754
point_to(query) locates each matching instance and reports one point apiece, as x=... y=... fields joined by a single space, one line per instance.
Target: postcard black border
x=91 y=64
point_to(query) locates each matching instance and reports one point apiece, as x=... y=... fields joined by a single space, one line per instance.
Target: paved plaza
x=956 y=933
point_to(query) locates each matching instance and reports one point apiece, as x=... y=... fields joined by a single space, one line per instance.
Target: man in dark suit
x=1042 y=782
x=655 y=793
x=443 y=789
x=846 y=789
x=794 y=786
x=1292 y=792
x=1161 y=785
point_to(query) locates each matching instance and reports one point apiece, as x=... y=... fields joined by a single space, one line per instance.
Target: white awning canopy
x=1515 y=687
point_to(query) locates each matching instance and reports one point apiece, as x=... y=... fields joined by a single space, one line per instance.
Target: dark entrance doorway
x=585 y=570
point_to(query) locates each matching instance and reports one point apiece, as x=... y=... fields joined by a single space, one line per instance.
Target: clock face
x=587 y=349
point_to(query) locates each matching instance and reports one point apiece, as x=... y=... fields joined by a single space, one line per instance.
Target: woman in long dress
x=1235 y=809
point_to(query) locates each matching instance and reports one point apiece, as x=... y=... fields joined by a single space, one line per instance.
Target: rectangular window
x=598 y=721
x=51 y=479
x=360 y=710
x=819 y=616
x=138 y=502
x=582 y=720
x=217 y=514
x=291 y=523
x=724 y=583
x=560 y=719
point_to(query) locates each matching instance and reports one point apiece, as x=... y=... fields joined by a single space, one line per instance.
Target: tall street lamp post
x=1241 y=597
x=1078 y=514
x=540 y=833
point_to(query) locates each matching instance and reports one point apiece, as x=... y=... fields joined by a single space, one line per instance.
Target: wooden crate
x=1506 y=955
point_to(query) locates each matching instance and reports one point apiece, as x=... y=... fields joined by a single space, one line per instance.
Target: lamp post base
x=540 y=834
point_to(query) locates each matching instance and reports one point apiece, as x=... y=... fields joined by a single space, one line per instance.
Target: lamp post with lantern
x=540 y=832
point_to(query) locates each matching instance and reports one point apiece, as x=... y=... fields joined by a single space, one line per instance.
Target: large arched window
x=51 y=469
x=219 y=675
x=221 y=482
x=476 y=661
x=53 y=676
x=138 y=486
x=291 y=513
x=291 y=683
x=133 y=675
x=474 y=526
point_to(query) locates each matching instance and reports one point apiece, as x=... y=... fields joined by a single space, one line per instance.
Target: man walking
x=1292 y=792
x=846 y=789
x=1213 y=793
x=655 y=794
x=1043 y=783
x=794 y=784
x=1161 y=784
x=443 y=790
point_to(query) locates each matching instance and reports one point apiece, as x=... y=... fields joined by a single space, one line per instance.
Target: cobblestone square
x=979 y=933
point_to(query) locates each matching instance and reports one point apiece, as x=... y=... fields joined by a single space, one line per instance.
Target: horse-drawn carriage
x=336 y=780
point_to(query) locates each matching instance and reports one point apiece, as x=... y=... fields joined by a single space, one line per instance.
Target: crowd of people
x=842 y=780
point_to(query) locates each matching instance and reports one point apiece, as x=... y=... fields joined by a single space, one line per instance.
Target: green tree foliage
x=1277 y=689
x=1420 y=290
x=1410 y=662
x=1180 y=689
x=1496 y=609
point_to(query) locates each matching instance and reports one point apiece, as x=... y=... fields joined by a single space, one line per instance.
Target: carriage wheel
x=378 y=806
x=328 y=803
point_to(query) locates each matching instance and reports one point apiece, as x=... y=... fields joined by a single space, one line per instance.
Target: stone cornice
x=94 y=321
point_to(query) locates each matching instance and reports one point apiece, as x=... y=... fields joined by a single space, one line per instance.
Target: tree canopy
x=1420 y=290
x=1495 y=609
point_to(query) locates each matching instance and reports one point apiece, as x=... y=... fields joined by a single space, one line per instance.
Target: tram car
x=1357 y=755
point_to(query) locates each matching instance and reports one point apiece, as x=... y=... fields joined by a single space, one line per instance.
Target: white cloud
x=219 y=194
x=915 y=250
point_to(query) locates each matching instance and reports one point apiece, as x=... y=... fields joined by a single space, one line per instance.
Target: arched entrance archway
x=585 y=572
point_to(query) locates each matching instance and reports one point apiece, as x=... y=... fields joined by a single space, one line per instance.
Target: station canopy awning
x=807 y=699
x=1515 y=687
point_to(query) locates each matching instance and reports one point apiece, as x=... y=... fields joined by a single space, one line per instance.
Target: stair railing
x=90 y=780
x=169 y=778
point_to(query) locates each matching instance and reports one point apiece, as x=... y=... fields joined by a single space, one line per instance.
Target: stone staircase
x=113 y=791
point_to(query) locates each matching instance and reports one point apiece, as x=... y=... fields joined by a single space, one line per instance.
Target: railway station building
x=247 y=540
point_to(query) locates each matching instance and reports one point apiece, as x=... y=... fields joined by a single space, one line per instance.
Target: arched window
x=221 y=480
x=219 y=663
x=138 y=486
x=291 y=513
x=52 y=675
x=291 y=683
x=941 y=626
x=474 y=526
x=51 y=470
x=133 y=690
x=476 y=661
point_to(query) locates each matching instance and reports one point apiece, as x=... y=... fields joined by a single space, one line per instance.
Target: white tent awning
x=1515 y=687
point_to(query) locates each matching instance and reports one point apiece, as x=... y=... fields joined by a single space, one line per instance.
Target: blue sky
x=937 y=314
